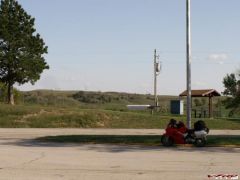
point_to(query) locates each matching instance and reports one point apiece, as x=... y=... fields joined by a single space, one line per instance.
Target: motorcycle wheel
x=200 y=142
x=166 y=140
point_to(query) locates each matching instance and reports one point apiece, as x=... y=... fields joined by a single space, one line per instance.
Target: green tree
x=232 y=90
x=21 y=48
x=3 y=94
x=203 y=101
x=197 y=102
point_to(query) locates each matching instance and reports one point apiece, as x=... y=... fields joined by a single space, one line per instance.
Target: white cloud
x=219 y=58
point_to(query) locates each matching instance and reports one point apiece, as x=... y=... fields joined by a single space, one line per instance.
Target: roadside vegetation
x=59 y=109
x=146 y=140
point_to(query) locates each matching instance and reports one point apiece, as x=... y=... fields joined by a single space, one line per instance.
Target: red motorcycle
x=178 y=133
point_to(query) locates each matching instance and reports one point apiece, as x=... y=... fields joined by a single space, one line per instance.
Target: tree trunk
x=10 y=94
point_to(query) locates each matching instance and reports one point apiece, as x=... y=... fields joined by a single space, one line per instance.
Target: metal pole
x=155 y=78
x=188 y=43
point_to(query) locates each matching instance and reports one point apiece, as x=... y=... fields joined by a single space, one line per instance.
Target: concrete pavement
x=22 y=158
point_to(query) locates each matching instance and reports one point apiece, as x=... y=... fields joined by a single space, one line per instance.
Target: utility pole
x=156 y=73
x=188 y=48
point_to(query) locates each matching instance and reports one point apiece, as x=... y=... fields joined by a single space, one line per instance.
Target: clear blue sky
x=107 y=45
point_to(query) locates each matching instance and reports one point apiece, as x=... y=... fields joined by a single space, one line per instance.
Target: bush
x=92 y=97
x=49 y=99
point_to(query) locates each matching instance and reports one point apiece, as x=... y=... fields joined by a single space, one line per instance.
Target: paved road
x=22 y=158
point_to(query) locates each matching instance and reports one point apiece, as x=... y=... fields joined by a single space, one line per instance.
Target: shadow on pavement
x=115 y=143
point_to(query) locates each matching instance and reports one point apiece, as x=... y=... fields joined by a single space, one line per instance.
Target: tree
x=197 y=102
x=21 y=48
x=3 y=94
x=232 y=90
x=203 y=101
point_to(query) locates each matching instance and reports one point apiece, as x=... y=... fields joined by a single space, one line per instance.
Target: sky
x=108 y=45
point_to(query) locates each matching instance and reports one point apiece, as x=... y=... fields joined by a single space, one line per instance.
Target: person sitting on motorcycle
x=200 y=125
x=182 y=129
x=172 y=123
x=172 y=127
x=187 y=133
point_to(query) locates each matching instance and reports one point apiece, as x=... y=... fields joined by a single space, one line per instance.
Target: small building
x=177 y=107
x=210 y=93
x=138 y=107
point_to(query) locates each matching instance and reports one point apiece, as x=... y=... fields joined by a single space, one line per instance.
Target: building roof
x=202 y=93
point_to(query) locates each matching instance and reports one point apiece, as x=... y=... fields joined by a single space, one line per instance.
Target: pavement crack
x=42 y=155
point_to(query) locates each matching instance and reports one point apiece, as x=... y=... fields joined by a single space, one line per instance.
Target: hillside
x=84 y=109
x=113 y=100
x=89 y=99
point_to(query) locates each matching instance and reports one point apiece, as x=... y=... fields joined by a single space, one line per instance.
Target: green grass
x=36 y=116
x=105 y=139
x=217 y=140
x=59 y=109
x=149 y=140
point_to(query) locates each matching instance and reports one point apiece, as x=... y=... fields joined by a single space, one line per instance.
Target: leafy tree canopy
x=232 y=90
x=21 y=48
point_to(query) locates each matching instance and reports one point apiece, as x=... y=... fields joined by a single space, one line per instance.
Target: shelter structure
x=210 y=93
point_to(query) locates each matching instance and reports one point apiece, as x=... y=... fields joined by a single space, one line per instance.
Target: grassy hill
x=93 y=100
x=37 y=116
x=81 y=109
x=114 y=100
